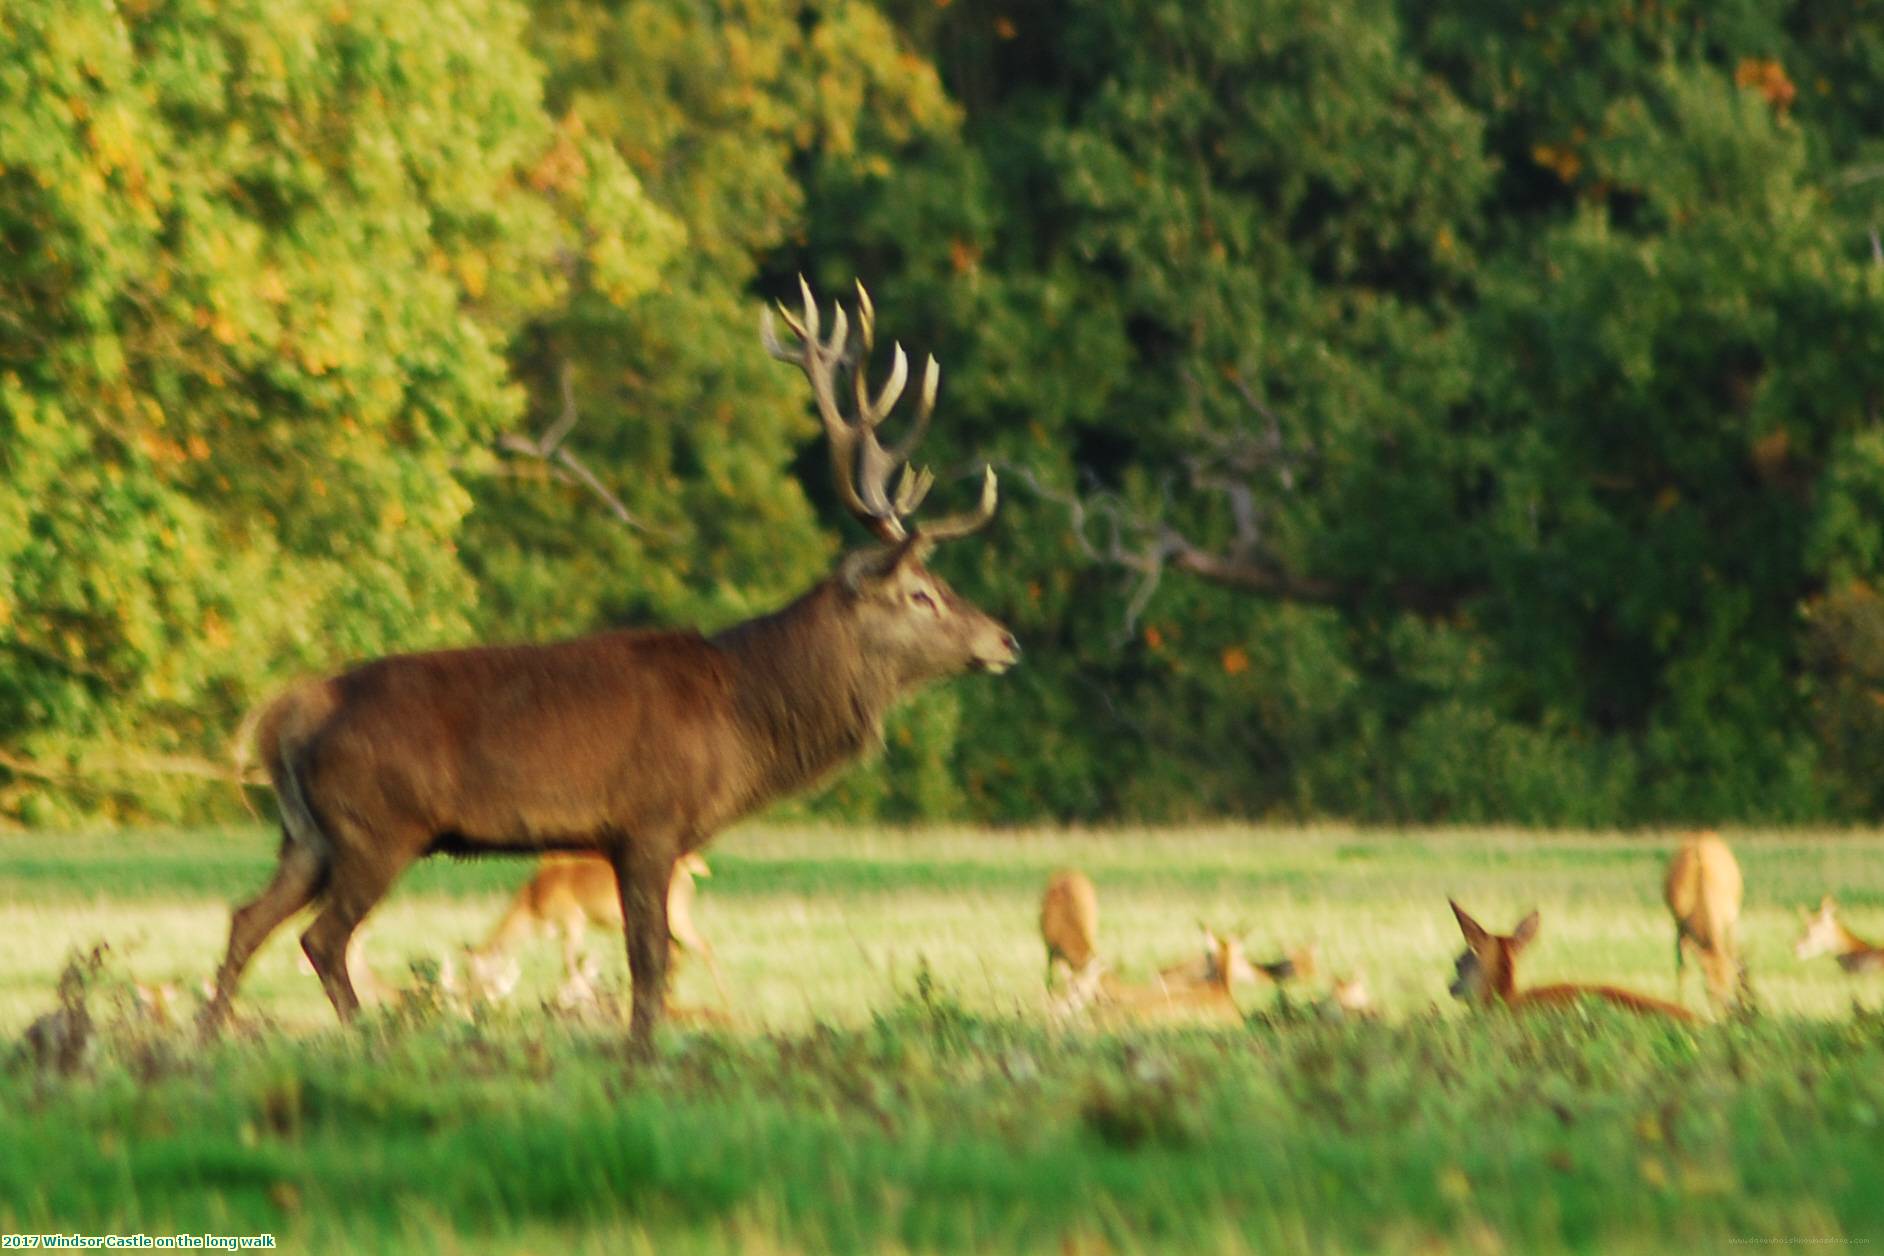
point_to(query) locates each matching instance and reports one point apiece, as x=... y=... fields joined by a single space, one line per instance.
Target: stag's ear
x=868 y=567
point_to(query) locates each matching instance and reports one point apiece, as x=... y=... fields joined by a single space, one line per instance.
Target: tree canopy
x=1405 y=412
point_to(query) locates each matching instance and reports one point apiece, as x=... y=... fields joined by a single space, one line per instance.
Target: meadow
x=890 y=1081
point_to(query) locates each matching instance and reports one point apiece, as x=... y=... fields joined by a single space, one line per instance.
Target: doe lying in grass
x=1201 y=969
x=1824 y=935
x=1211 y=998
x=1069 y=925
x=1486 y=973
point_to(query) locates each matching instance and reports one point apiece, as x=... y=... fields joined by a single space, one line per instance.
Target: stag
x=636 y=745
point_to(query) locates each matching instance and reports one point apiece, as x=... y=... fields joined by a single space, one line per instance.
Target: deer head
x=1822 y=935
x=905 y=616
x=1487 y=969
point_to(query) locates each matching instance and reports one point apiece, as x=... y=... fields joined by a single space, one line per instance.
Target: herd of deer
x=620 y=755
x=1703 y=890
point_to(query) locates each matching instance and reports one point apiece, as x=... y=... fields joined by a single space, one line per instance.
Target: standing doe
x=1069 y=925
x=1703 y=894
x=1487 y=973
x=567 y=895
x=636 y=745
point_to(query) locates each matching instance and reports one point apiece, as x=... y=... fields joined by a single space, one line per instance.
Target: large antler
x=860 y=464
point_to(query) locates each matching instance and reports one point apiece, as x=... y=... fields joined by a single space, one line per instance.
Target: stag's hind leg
x=297 y=880
x=360 y=875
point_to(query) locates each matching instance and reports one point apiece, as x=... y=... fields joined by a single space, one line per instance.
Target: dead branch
x=550 y=450
x=1251 y=468
x=131 y=763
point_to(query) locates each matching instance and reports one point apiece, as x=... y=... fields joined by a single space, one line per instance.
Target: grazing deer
x=1824 y=935
x=1703 y=893
x=1487 y=973
x=567 y=895
x=1069 y=925
x=639 y=746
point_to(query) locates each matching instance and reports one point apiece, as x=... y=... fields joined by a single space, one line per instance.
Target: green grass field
x=891 y=1081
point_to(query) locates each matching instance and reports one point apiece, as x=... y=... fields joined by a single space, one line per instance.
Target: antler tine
x=912 y=488
x=968 y=521
x=768 y=335
x=925 y=406
x=871 y=413
x=811 y=310
x=861 y=466
x=866 y=317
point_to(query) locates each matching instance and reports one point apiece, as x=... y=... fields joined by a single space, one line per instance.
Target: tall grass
x=892 y=1084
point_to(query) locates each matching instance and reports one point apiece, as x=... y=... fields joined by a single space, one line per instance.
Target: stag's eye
x=920 y=597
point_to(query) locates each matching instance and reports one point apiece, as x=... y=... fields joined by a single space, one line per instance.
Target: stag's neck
x=804 y=695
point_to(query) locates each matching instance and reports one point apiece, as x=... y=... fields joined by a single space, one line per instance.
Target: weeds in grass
x=933 y=1115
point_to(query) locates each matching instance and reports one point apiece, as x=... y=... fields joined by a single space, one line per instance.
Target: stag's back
x=1069 y=920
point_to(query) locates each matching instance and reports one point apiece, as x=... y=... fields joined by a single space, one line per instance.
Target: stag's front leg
x=643 y=871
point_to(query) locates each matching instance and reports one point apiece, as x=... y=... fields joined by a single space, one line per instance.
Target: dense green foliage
x=263 y=263
x=1476 y=408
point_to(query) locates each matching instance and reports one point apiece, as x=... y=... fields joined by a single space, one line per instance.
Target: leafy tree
x=705 y=441
x=1503 y=375
x=262 y=263
x=1182 y=243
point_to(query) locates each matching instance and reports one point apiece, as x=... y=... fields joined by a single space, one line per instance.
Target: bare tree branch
x=1252 y=470
x=563 y=465
x=133 y=763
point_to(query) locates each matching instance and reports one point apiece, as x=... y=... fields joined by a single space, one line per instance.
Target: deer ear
x=1526 y=930
x=1474 y=932
x=867 y=567
x=1827 y=906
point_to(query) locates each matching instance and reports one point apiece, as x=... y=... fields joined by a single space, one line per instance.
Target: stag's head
x=904 y=615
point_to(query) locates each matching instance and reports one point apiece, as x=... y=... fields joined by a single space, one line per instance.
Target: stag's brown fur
x=635 y=745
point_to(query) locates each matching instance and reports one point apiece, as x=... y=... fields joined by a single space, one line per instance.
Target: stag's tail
x=278 y=733
x=241 y=756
